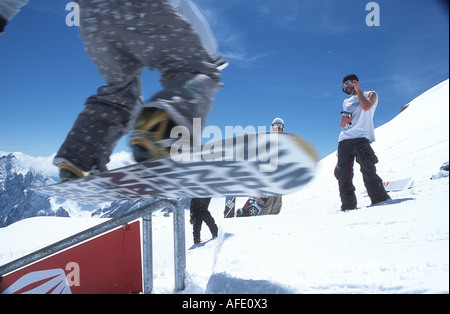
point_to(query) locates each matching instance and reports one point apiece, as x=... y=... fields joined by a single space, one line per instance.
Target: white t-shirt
x=362 y=123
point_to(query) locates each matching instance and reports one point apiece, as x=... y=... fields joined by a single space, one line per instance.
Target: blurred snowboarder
x=121 y=40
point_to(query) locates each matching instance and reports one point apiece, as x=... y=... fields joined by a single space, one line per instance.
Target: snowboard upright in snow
x=396 y=185
x=265 y=164
x=230 y=205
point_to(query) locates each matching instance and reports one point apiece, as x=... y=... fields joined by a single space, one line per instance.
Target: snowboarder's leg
x=157 y=37
x=366 y=157
x=198 y=22
x=210 y=222
x=344 y=174
x=190 y=79
x=197 y=227
x=107 y=115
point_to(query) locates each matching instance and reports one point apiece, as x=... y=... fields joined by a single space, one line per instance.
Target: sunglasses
x=347 y=87
x=278 y=126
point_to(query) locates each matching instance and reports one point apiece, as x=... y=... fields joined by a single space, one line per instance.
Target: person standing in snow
x=122 y=39
x=354 y=143
x=200 y=214
x=272 y=205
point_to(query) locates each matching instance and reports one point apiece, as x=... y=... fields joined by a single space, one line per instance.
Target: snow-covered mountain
x=16 y=202
x=311 y=246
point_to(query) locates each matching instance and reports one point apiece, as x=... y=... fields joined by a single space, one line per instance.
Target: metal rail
x=146 y=213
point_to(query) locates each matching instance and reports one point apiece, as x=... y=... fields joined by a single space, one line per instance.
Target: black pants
x=200 y=214
x=199 y=218
x=358 y=149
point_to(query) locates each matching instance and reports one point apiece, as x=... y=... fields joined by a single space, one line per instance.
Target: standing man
x=354 y=143
x=200 y=214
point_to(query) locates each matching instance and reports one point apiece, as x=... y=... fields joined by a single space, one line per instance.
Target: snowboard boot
x=197 y=239
x=380 y=199
x=68 y=172
x=151 y=138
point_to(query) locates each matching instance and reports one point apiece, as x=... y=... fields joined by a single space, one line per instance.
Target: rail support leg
x=148 y=253
x=179 y=248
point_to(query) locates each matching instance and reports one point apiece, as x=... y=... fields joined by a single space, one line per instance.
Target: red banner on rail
x=109 y=263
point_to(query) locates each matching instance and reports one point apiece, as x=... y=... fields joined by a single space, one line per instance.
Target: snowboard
x=230 y=205
x=263 y=163
x=396 y=185
x=392 y=201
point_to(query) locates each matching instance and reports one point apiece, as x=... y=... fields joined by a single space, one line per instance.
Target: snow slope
x=312 y=247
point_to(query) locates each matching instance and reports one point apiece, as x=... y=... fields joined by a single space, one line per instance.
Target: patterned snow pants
x=122 y=38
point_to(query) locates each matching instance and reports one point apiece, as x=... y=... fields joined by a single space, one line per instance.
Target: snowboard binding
x=151 y=138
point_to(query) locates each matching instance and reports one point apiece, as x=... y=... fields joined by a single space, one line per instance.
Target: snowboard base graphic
x=265 y=164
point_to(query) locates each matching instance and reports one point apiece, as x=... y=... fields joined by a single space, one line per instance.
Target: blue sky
x=287 y=59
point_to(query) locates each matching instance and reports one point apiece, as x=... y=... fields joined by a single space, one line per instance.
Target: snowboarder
x=200 y=214
x=354 y=142
x=121 y=40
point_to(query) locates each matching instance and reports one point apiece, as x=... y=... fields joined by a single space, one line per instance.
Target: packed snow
x=311 y=246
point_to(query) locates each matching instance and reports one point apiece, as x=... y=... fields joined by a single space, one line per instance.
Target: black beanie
x=350 y=77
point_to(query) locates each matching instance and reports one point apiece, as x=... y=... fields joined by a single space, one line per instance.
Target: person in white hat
x=272 y=205
x=277 y=125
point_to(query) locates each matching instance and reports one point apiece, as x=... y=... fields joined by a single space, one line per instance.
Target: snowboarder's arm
x=345 y=120
x=366 y=103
